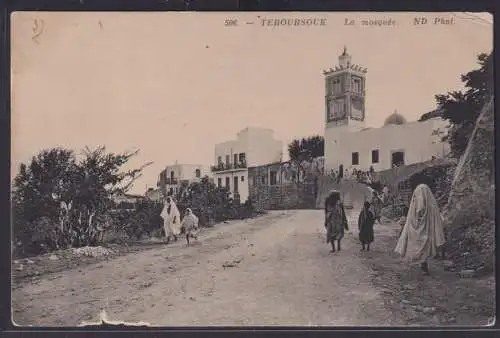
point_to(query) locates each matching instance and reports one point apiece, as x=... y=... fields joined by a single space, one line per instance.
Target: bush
x=60 y=202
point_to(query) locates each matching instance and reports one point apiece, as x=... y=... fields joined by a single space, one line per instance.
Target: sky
x=175 y=84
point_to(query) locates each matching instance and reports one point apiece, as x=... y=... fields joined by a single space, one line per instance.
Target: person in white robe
x=423 y=233
x=171 y=219
x=190 y=225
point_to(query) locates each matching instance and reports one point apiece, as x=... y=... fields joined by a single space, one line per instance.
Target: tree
x=303 y=151
x=306 y=148
x=462 y=108
x=209 y=202
x=69 y=198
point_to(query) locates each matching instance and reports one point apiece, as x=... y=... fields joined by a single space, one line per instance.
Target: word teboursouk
x=274 y=22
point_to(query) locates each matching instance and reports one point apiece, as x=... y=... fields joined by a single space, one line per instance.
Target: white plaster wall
x=175 y=168
x=228 y=148
x=188 y=171
x=243 y=186
x=263 y=148
x=258 y=144
x=414 y=138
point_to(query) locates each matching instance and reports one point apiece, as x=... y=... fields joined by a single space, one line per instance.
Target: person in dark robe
x=366 y=220
x=335 y=219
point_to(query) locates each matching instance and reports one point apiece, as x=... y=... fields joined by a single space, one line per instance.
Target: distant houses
x=154 y=195
x=173 y=176
x=126 y=201
x=253 y=146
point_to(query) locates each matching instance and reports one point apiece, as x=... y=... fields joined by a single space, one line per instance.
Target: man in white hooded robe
x=423 y=233
x=171 y=219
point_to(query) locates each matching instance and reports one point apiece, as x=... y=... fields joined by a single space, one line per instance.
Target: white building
x=154 y=195
x=252 y=147
x=172 y=177
x=126 y=198
x=350 y=143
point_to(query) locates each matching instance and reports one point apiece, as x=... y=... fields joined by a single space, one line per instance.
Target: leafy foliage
x=209 y=202
x=302 y=153
x=462 y=108
x=306 y=148
x=60 y=202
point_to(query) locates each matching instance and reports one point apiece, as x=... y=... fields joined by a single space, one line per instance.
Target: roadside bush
x=61 y=201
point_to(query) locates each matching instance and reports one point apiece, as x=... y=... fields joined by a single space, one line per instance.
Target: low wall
x=392 y=177
x=283 y=196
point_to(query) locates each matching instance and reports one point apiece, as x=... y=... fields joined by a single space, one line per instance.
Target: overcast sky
x=175 y=84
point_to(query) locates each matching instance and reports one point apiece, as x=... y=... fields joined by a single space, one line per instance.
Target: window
x=228 y=160
x=235 y=159
x=242 y=158
x=228 y=182
x=242 y=178
x=356 y=87
x=172 y=174
x=398 y=158
x=219 y=160
x=197 y=173
x=375 y=156
x=336 y=86
x=263 y=179
x=273 y=177
x=235 y=187
x=219 y=182
x=355 y=158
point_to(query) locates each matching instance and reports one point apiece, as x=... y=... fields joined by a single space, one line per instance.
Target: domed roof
x=395 y=119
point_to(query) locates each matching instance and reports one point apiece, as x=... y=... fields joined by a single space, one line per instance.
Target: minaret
x=345 y=94
x=344 y=105
x=345 y=59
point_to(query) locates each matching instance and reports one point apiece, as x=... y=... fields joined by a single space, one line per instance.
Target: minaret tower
x=344 y=108
x=345 y=95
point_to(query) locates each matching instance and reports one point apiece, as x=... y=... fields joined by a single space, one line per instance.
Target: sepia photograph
x=295 y=169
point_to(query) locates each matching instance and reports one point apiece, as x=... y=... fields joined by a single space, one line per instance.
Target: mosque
x=350 y=143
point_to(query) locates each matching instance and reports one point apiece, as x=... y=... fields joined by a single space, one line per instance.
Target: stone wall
x=436 y=175
x=393 y=177
x=283 y=193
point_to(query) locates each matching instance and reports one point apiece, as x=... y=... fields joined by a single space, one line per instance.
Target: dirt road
x=273 y=270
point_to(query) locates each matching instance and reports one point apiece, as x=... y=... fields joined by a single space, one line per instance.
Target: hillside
x=470 y=212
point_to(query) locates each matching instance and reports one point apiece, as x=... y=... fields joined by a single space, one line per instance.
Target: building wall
x=258 y=145
x=242 y=176
x=267 y=194
x=182 y=172
x=414 y=138
x=263 y=148
x=123 y=198
x=154 y=195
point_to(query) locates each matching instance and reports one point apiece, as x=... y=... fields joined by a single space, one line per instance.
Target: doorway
x=397 y=158
x=235 y=187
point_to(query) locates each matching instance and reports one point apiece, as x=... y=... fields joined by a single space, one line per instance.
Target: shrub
x=60 y=202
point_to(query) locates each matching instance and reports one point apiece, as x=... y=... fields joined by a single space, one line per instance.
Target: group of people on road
x=173 y=225
x=421 y=237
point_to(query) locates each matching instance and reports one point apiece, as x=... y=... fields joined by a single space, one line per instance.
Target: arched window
x=197 y=173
